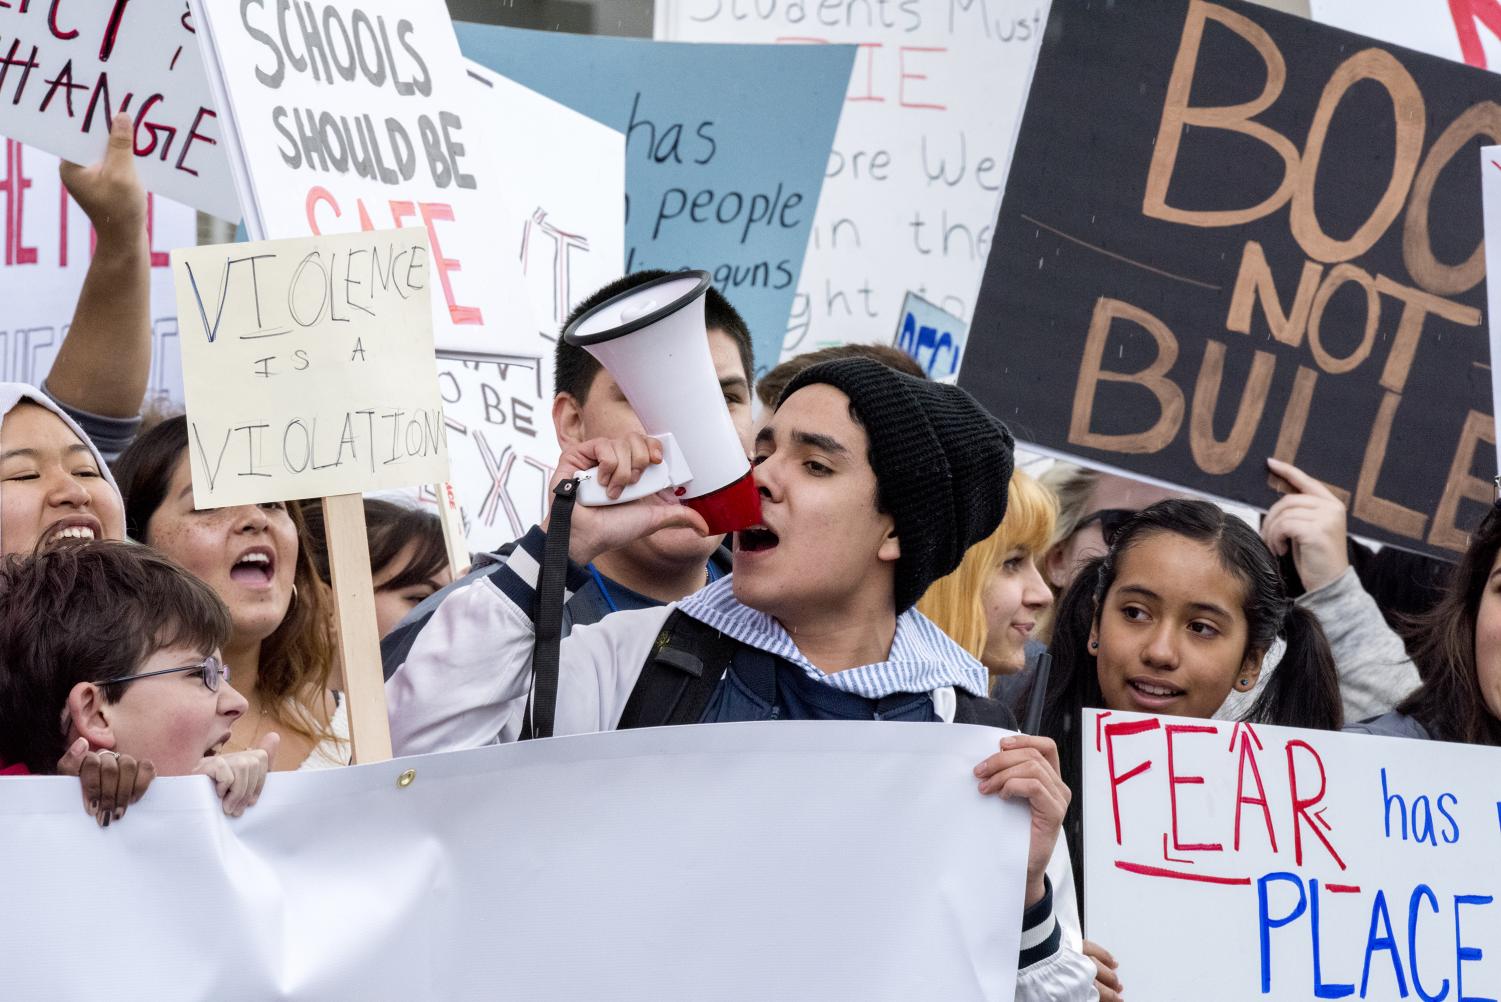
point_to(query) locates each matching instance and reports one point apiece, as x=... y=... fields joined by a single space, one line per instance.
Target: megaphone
x=655 y=343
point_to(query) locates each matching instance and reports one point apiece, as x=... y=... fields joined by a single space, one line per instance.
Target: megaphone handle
x=672 y=471
x=656 y=477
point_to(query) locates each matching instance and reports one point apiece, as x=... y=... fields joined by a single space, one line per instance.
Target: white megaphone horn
x=654 y=341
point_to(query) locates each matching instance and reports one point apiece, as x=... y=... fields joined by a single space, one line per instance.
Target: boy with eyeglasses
x=109 y=670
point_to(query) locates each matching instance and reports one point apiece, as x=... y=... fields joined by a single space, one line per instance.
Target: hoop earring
x=293 y=604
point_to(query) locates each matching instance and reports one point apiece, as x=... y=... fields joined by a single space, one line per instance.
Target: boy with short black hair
x=873 y=485
x=110 y=650
x=588 y=404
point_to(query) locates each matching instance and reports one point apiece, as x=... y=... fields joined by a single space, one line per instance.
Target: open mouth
x=755 y=540
x=74 y=528
x=1154 y=690
x=216 y=747
x=255 y=567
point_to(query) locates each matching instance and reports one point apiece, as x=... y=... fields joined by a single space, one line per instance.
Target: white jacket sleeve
x=1049 y=970
x=465 y=680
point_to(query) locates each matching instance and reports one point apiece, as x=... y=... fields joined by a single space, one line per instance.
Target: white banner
x=69 y=67
x=919 y=161
x=1234 y=862
x=1467 y=31
x=795 y=860
x=47 y=248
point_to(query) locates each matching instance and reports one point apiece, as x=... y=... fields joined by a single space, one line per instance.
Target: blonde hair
x=955 y=602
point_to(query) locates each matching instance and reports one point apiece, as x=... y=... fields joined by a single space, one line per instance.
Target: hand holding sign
x=109 y=191
x=1026 y=768
x=1310 y=524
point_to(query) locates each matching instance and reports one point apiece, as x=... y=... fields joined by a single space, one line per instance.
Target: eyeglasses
x=211 y=669
x=1110 y=519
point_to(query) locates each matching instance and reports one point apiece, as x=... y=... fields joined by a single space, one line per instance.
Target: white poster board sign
x=47 y=248
x=69 y=67
x=309 y=367
x=794 y=861
x=933 y=337
x=366 y=119
x=919 y=160
x=1235 y=862
x=1490 y=186
x=564 y=225
x=1467 y=31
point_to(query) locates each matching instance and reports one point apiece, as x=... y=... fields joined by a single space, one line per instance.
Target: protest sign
x=68 y=69
x=722 y=174
x=641 y=865
x=933 y=337
x=912 y=183
x=1268 y=246
x=1465 y=30
x=1244 y=862
x=343 y=115
x=48 y=246
x=1490 y=173
x=309 y=367
x=564 y=223
x=309 y=372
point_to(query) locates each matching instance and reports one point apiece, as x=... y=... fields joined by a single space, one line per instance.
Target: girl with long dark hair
x=1180 y=613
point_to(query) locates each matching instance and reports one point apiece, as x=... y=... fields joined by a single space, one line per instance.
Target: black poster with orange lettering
x=1229 y=234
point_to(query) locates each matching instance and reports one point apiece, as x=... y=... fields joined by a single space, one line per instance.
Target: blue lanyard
x=604 y=590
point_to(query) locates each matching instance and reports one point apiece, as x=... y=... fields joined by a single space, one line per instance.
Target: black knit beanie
x=942 y=464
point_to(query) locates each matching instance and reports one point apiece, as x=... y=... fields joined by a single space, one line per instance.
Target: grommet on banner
x=406 y=779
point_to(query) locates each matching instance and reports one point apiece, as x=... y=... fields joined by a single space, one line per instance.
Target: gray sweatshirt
x=1375 y=673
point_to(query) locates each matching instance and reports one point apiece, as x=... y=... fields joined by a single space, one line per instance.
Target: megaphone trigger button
x=679 y=491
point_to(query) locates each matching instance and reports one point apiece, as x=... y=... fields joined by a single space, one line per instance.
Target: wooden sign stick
x=453 y=529
x=354 y=623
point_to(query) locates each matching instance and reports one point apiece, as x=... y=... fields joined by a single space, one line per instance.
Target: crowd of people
x=904 y=569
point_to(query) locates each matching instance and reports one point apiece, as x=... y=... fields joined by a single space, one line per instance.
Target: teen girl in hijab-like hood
x=54 y=483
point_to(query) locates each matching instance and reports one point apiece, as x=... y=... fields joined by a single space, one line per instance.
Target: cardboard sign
x=934 y=337
x=344 y=115
x=382 y=882
x=1275 y=863
x=722 y=174
x=919 y=160
x=1268 y=246
x=1468 y=31
x=565 y=227
x=47 y=249
x=68 y=68
x=309 y=367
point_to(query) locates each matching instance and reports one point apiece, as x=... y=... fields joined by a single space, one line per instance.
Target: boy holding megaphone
x=588 y=404
x=872 y=484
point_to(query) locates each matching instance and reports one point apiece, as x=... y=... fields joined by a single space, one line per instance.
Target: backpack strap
x=972 y=709
x=680 y=674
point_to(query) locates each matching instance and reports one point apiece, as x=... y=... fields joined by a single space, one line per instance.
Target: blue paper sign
x=726 y=147
x=934 y=337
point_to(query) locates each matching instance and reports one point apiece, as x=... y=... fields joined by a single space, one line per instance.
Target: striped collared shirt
x=922 y=657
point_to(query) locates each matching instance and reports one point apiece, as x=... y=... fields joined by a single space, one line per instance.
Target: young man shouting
x=873 y=485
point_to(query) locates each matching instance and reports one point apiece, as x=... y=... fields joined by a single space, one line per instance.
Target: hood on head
x=12 y=394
